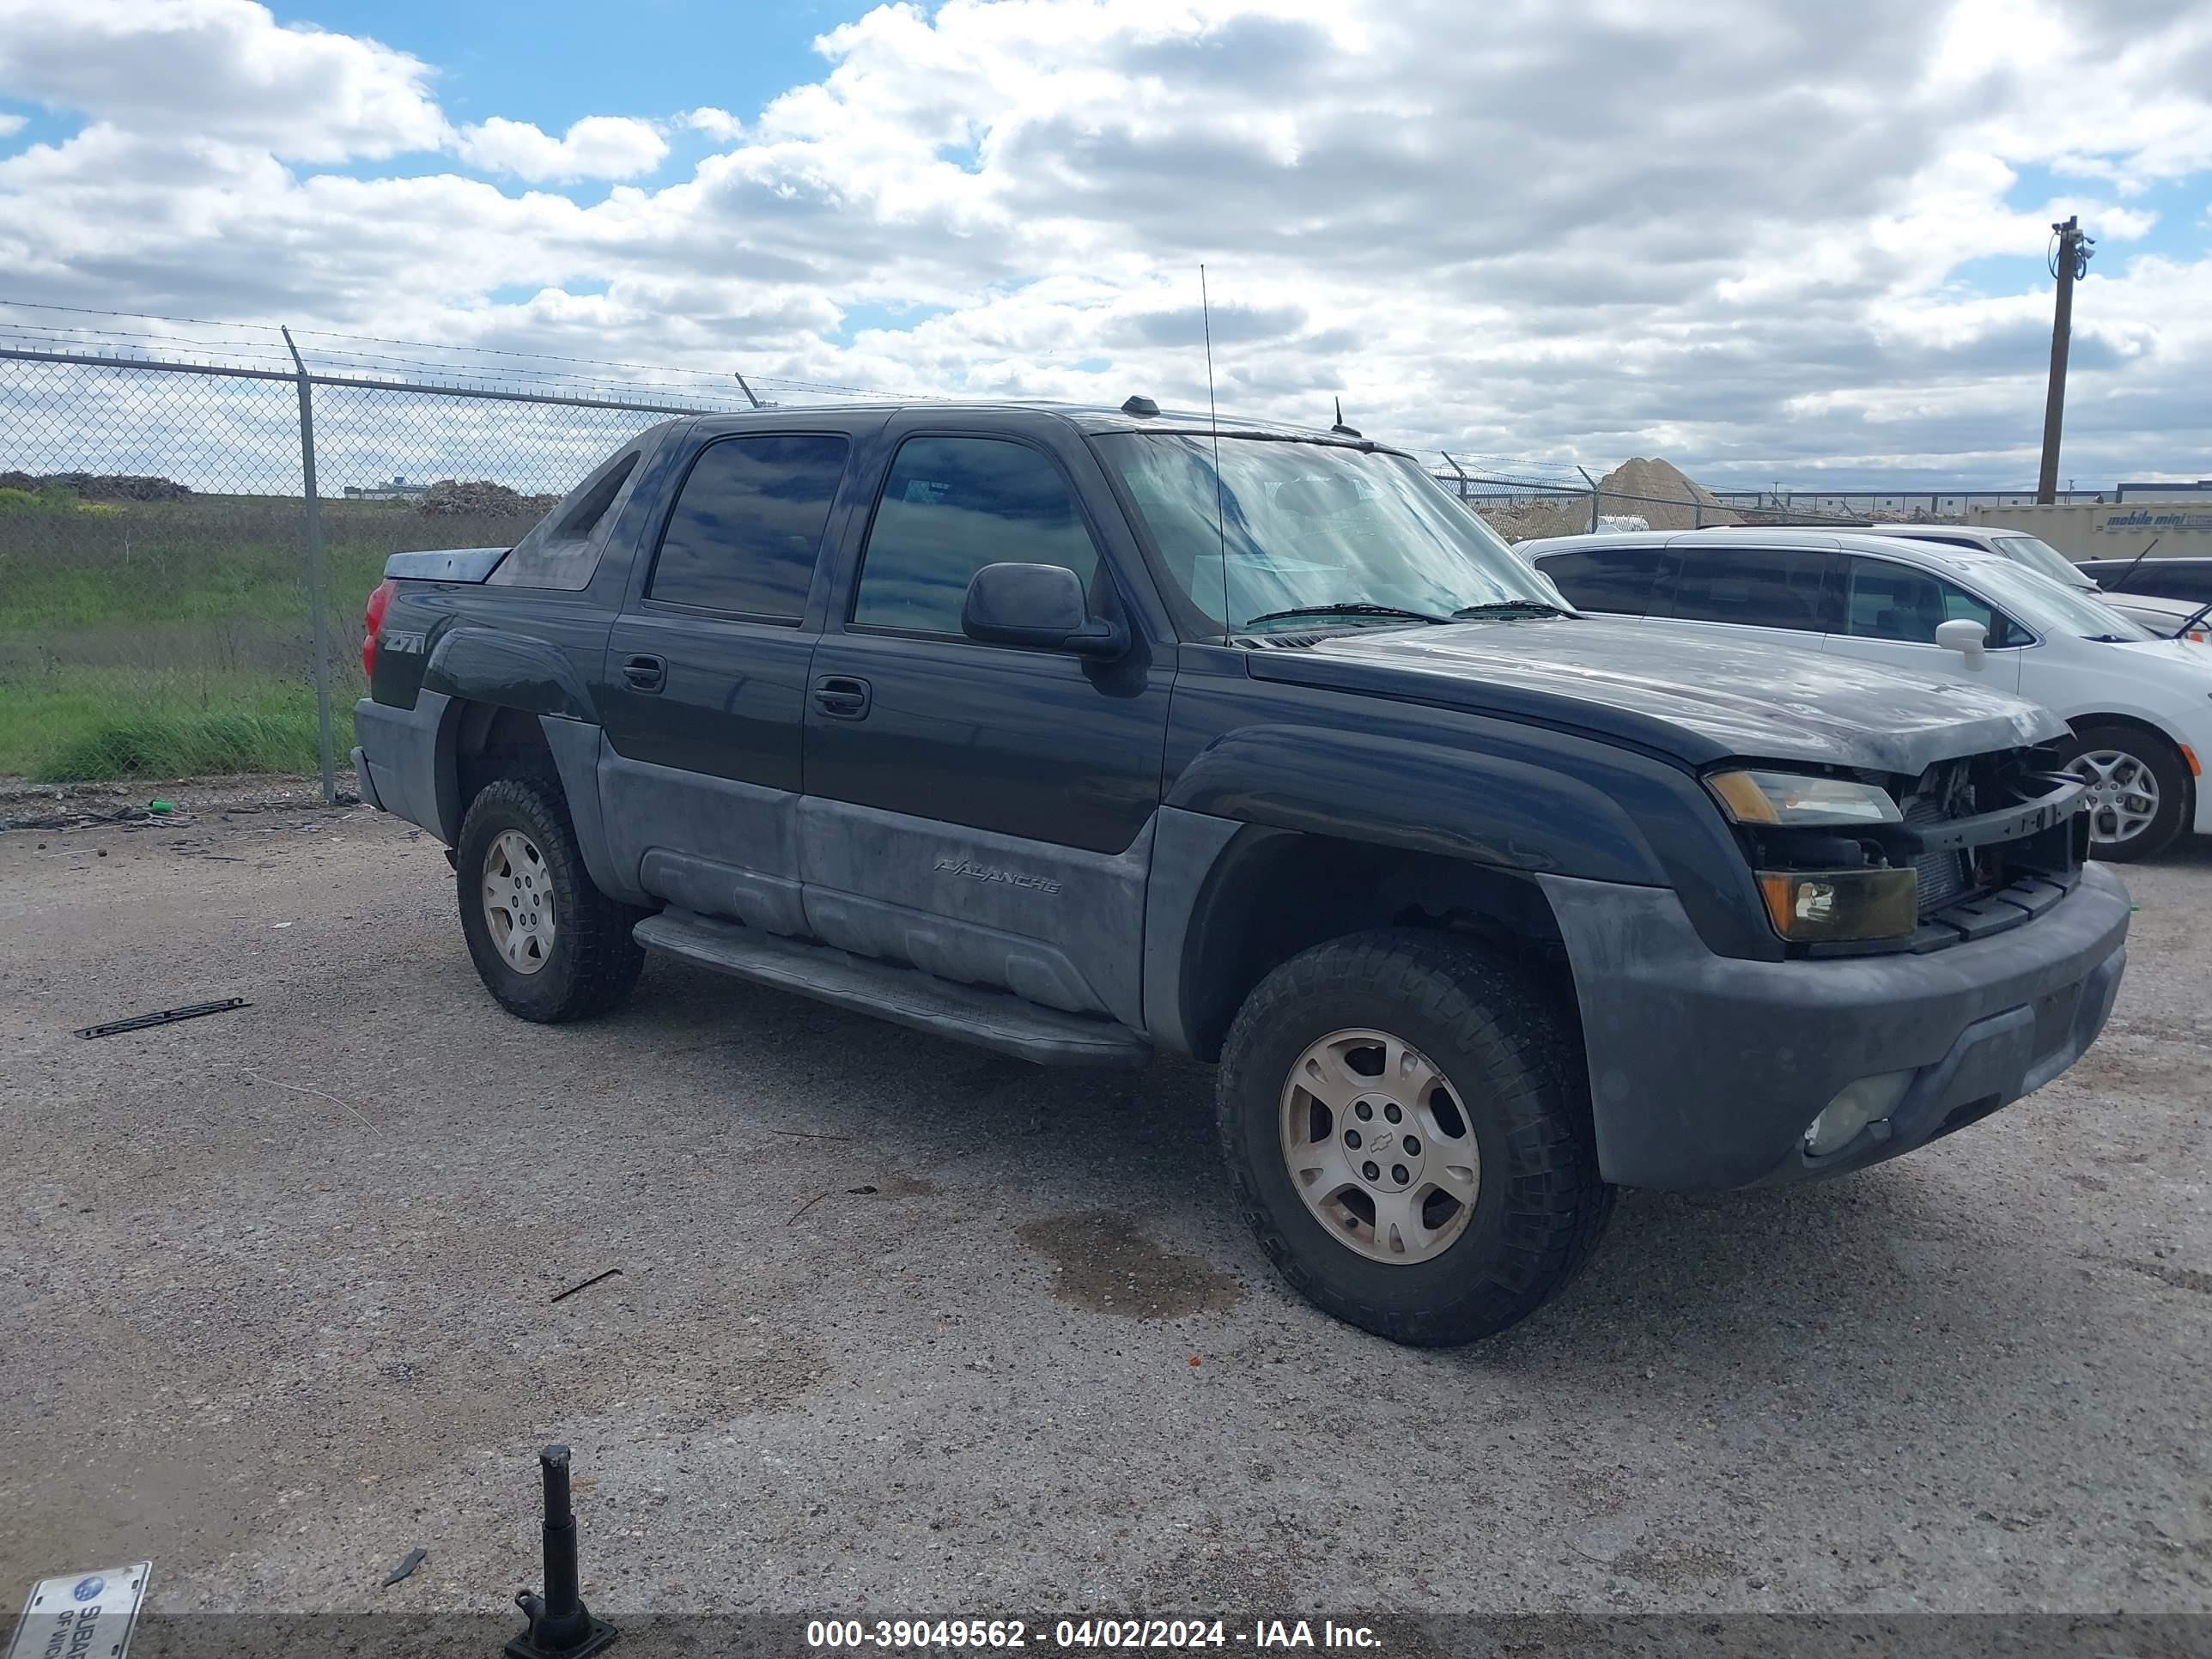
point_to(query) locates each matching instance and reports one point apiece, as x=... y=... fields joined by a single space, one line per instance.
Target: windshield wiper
x=1509 y=608
x=1346 y=609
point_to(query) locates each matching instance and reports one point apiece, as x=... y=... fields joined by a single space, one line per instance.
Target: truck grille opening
x=1943 y=878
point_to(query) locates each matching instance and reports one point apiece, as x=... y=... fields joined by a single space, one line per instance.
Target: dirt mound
x=1662 y=493
x=454 y=498
x=98 y=486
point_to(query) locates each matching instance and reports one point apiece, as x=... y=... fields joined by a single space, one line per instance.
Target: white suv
x=2141 y=707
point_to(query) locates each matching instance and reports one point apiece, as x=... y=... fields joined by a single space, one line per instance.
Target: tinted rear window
x=747 y=525
x=1616 y=581
x=1754 y=586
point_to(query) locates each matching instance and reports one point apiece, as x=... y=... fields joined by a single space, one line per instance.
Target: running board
x=967 y=1013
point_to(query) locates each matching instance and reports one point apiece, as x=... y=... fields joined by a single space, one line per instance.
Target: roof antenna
x=1213 y=418
x=1340 y=428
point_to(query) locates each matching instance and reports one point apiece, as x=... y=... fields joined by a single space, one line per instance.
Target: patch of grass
x=68 y=564
x=161 y=639
x=89 y=725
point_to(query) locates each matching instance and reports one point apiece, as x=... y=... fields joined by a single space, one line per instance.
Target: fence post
x=318 y=575
x=1456 y=471
x=1592 y=482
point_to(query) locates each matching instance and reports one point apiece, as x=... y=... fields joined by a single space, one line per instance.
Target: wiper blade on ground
x=1344 y=610
x=1509 y=608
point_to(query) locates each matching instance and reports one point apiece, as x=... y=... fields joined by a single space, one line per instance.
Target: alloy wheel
x=2124 y=797
x=518 y=901
x=1379 y=1147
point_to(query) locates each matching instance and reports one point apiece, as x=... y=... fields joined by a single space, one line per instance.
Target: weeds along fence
x=177 y=598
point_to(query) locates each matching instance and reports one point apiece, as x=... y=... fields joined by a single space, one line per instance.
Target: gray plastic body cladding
x=408 y=753
x=1059 y=925
x=1186 y=846
x=708 y=844
x=905 y=996
x=577 y=746
x=1705 y=1070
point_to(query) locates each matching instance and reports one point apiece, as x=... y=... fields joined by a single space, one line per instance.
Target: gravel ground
x=900 y=1327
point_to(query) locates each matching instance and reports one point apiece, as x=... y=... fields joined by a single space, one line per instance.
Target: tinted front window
x=1895 y=602
x=1617 y=580
x=1754 y=586
x=748 y=524
x=952 y=506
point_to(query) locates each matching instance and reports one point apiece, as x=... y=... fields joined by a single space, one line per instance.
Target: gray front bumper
x=1705 y=1070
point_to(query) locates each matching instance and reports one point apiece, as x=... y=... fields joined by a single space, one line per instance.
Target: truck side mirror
x=1966 y=637
x=1039 y=605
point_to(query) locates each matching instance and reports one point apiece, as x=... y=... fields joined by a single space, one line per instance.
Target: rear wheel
x=546 y=942
x=1405 y=1131
x=2138 y=790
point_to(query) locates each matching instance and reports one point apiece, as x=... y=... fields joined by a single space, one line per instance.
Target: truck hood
x=1699 y=699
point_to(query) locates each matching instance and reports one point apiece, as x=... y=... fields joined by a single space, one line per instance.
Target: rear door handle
x=645 y=673
x=842 y=697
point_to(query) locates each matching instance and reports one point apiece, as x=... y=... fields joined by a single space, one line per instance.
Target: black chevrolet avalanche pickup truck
x=1090 y=734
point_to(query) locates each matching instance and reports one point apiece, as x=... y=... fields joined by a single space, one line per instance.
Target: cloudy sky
x=1765 y=239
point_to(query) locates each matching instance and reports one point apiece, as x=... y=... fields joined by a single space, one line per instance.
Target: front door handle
x=644 y=673
x=842 y=697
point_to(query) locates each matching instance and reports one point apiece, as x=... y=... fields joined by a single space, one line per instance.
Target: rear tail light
x=372 y=619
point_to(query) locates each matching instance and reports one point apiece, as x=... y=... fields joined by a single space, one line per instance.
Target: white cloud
x=12 y=125
x=596 y=147
x=717 y=124
x=219 y=69
x=1734 y=229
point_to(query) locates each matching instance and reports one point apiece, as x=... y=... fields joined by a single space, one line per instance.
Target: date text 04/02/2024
x=1085 y=1633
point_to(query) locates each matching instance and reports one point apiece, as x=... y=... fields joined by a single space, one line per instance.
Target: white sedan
x=2141 y=707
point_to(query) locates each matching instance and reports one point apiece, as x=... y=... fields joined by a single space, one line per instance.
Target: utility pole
x=2069 y=260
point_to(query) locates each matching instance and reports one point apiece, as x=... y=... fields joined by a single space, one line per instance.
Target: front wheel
x=1405 y=1126
x=2138 y=790
x=546 y=942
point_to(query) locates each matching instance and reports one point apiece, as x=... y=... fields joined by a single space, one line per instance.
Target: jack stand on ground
x=560 y=1626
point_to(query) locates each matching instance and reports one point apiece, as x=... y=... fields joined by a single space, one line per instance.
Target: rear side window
x=563 y=549
x=1616 y=581
x=952 y=506
x=1896 y=602
x=747 y=525
x=1754 y=586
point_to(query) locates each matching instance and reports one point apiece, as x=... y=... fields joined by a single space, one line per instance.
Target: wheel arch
x=1270 y=894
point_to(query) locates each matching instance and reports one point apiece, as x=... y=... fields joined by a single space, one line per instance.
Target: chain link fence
x=191 y=514
x=168 y=606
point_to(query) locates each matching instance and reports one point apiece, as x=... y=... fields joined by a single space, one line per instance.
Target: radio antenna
x=1213 y=419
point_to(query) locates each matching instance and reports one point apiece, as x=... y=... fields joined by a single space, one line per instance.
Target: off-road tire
x=2164 y=763
x=1514 y=1062
x=594 y=962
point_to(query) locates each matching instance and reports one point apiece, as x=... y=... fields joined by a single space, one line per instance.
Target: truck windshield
x=1363 y=539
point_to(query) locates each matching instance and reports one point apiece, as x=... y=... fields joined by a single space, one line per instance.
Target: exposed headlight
x=1796 y=797
x=1810 y=906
